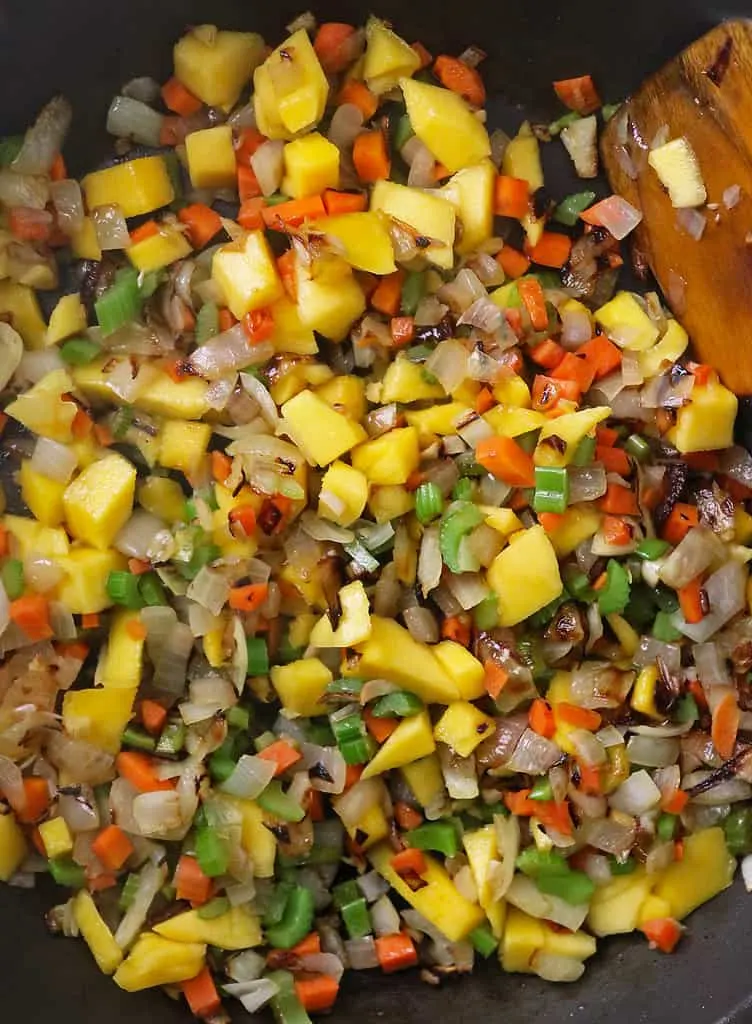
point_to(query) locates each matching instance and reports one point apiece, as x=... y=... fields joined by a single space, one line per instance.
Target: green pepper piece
x=207 y=322
x=564 y=121
x=151 y=590
x=296 y=922
x=214 y=908
x=486 y=613
x=638 y=447
x=286 y=1006
x=413 y=290
x=463 y=490
x=351 y=727
x=275 y=801
x=584 y=453
x=128 y=892
x=652 y=548
x=666 y=599
x=10 y=147
x=542 y=789
x=66 y=872
x=357 y=751
x=172 y=740
x=622 y=867
x=135 y=736
x=212 y=852
x=319 y=731
x=346 y=892
x=400 y=704
x=570 y=208
x=483 y=941
x=614 y=597
x=79 y=351
x=667 y=824
x=738 y=830
x=122 y=588
x=356 y=919
x=276 y=903
x=121 y=303
x=574 y=887
x=441 y=836
x=239 y=718
x=534 y=862
x=12 y=575
x=459 y=519
x=608 y=110
x=686 y=709
x=664 y=629
x=403 y=132
x=551 y=489
x=258 y=656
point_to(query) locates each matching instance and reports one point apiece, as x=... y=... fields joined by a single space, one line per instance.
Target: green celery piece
x=207 y=322
x=79 y=351
x=413 y=290
x=400 y=704
x=457 y=522
x=121 y=303
x=483 y=941
x=10 y=147
x=286 y=1006
x=275 y=801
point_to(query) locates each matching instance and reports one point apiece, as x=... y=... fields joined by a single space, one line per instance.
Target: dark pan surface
x=87 y=50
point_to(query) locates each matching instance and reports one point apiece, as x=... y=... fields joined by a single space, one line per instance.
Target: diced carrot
x=577 y=368
x=138 y=769
x=425 y=57
x=725 y=725
x=250 y=216
x=380 y=728
x=29 y=225
x=315 y=805
x=518 y=802
x=662 y=933
x=82 y=424
x=403 y=330
x=484 y=401
x=681 y=520
x=512 y=261
x=249 y=141
x=138 y=566
x=534 y=302
x=619 y=501
x=3 y=422
x=606 y=436
x=101 y=882
x=136 y=630
x=550 y=521
x=36 y=802
x=548 y=354
x=395 y=952
x=337 y=203
x=604 y=356
x=178 y=99
x=520 y=501
x=274 y=513
x=31 y=613
x=708 y=462
x=440 y=172
x=388 y=294
x=286 y=266
x=282 y=754
x=457 y=628
x=310 y=945
x=146 y=230
x=221 y=466
x=676 y=802
x=248 y=598
x=541 y=718
x=154 y=716
x=590 y=778
x=244 y=518
x=293 y=213
x=548 y=392
x=226 y=320
x=113 y=847
x=190 y=881
x=552 y=250
x=616 y=531
x=352 y=774
x=464 y=80
x=203 y=223
x=58 y=171
x=581 y=718
x=506 y=460
x=4 y=542
x=407 y=817
x=371 y=156
x=172 y=131
x=615 y=460
x=317 y=992
x=553 y=815
x=330 y=46
x=201 y=995
x=691 y=601
x=695 y=688
x=511 y=197
x=579 y=94
x=77 y=650
x=495 y=678
x=259 y=325
x=248 y=186
x=90 y=620
x=358 y=95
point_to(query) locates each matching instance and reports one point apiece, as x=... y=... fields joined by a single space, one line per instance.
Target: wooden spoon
x=705 y=95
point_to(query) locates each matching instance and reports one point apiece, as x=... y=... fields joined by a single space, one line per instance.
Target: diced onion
x=11 y=353
x=44 y=140
x=359 y=799
x=421 y=625
x=362 y=953
x=636 y=794
x=553 y=967
x=53 y=460
x=652 y=752
x=586 y=483
x=384 y=917
x=209 y=589
x=692 y=222
x=250 y=777
x=345 y=125
x=267 y=165
x=129 y=118
x=158 y=813
x=448 y=364
x=430 y=563
x=150 y=881
x=253 y=994
x=137 y=537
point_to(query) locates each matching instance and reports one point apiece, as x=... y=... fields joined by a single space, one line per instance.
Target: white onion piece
x=267 y=165
x=228 y=351
x=576 y=328
x=345 y=125
x=630 y=369
x=362 y=953
x=636 y=794
x=588 y=747
x=469 y=589
x=144 y=89
x=483 y=314
x=653 y=751
x=326 y=767
x=157 y=814
x=699 y=549
x=323 y=530
x=725 y=591
x=692 y=222
x=430 y=562
x=260 y=394
x=525 y=894
x=747 y=872
x=42 y=573
x=44 y=140
x=129 y=118
x=384 y=917
x=421 y=625
x=11 y=353
x=250 y=777
x=359 y=799
x=209 y=589
x=586 y=483
x=138 y=535
x=80 y=813
x=662 y=731
x=54 y=461
x=459 y=774
x=372 y=885
x=36 y=365
x=150 y=881
x=11 y=783
x=421 y=166
x=552 y=967
x=23 y=190
x=731 y=196
x=253 y=994
x=448 y=363
x=580 y=141
x=608 y=836
x=499 y=141
x=507 y=831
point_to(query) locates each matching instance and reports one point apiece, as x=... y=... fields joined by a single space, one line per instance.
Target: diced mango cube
x=257 y=840
x=301 y=685
x=42 y=408
x=311 y=165
x=706 y=869
x=707 y=422
x=405 y=382
x=159 y=250
x=626 y=323
x=122 y=661
x=364 y=239
x=161 y=396
x=136 y=186
x=425 y=779
x=162 y=497
x=329 y=304
x=482 y=850
x=570 y=428
x=215 y=65
x=290 y=334
x=670 y=347
x=211 y=157
x=511 y=421
x=448 y=128
x=428 y=215
x=465 y=671
x=579 y=522
x=643 y=692
x=346 y=395
x=370 y=829
x=470 y=191
x=183 y=445
x=96 y=934
x=12 y=846
x=85 y=243
x=388 y=58
x=154 y=961
x=354 y=625
x=462 y=727
x=67 y=318
x=653 y=909
x=31 y=536
x=677 y=166
x=19 y=303
x=84 y=589
x=98 y=716
x=322 y=434
x=531 y=559
x=513 y=391
x=99 y=501
x=43 y=495
x=390 y=502
x=247 y=274
x=237 y=928
x=522 y=158
x=389 y=459
x=615 y=907
x=437 y=419
x=290 y=88
x=56 y=837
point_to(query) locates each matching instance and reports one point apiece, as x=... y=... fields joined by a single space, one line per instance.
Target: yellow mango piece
x=445 y=125
x=247 y=274
x=470 y=191
x=136 y=186
x=56 y=837
x=513 y=391
x=31 y=536
x=215 y=65
x=162 y=497
x=231 y=546
x=503 y=520
x=257 y=840
x=628 y=638
x=301 y=685
x=99 y=501
x=522 y=158
x=579 y=523
x=512 y=421
x=18 y=304
x=390 y=502
x=531 y=558
x=290 y=334
x=12 y=846
x=371 y=829
x=411 y=740
x=96 y=934
x=387 y=59
x=67 y=318
x=523 y=937
x=311 y=165
x=306 y=584
x=346 y=395
x=707 y=422
x=465 y=671
x=122 y=661
x=462 y=727
x=670 y=347
x=43 y=496
x=482 y=849
x=290 y=88
x=706 y=869
x=363 y=237
x=653 y=909
x=331 y=305
x=570 y=428
x=84 y=589
x=677 y=166
x=98 y=716
x=615 y=907
x=391 y=653
x=343 y=495
x=322 y=434
x=437 y=419
x=154 y=961
x=354 y=625
x=626 y=323
x=438 y=900
x=643 y=692
x=742 y=525
x=427 y=214
x=389 y=459
x=425 y=779
x=183 y=445
x=42 y=410
x=237 y=928
x=404 y=382
x=159 y=250
x=162 y=396
x=211 y=158
x=84 y=242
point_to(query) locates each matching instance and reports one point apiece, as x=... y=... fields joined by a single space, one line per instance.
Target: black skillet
x=87 y=50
